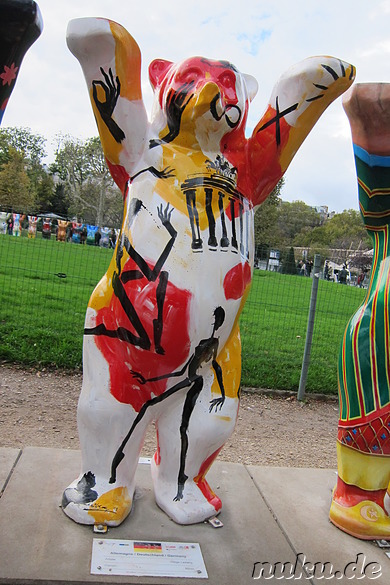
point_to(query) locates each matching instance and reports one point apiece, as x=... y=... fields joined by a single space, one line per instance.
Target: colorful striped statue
x=361 y=500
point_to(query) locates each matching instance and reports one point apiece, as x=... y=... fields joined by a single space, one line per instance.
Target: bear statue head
x=200 y=100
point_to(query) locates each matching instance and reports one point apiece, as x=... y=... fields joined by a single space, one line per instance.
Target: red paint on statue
x=236 y=281
x=260 y=154
x=124 y=357
x=194 y=72
x=120 y=176
x=202 y=484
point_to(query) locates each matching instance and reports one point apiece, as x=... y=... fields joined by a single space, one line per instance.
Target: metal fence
x=275 y=320
x=45 y=286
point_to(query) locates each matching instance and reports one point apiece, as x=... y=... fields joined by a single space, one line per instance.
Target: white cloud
x=377 y=51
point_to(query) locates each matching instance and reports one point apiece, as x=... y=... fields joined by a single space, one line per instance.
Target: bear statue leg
x=360 y=505
x=187 y=446
x=102 y=422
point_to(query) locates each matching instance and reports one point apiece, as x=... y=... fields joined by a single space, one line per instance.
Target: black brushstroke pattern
x=330 y=70
x=82 y=493
x=119 y=278
x=206 y=350
x=175 y=106
x=111 y=89
x=276 y=119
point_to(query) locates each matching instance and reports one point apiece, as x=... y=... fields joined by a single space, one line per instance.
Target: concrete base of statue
x=270 y=515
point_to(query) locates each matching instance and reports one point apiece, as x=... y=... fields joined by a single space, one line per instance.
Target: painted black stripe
x=313 y=99
x=331 y=71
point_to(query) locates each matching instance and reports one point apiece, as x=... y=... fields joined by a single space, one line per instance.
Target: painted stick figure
x=205 y=351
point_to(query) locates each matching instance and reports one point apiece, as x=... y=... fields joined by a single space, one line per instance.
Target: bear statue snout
x=208 y=97
x=204 y=94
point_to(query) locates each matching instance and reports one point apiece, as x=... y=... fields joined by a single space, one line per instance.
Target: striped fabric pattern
x=364 y=362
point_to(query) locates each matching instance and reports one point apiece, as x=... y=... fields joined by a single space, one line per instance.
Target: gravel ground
x=38 y=408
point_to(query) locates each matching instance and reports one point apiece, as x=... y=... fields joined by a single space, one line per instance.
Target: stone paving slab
x=300 y=499
x=8 y=458
x=40 y=545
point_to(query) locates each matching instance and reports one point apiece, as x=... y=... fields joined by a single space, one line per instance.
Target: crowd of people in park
x=63 y=230
x=305 y=267
x=343 y=275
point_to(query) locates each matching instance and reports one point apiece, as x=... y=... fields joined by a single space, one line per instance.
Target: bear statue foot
x=366 y=520
x=85 y=503
x=190 y=503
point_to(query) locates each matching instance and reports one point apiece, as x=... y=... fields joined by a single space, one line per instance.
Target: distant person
x=69 y=232
x=98 y=236
x=360 y=279
x=112 y=240
x=343 y=275
x=10 y=225
x=326 y=270
x=83 y=235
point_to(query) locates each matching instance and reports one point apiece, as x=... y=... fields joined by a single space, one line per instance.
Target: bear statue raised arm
x=20 y=26
x=161 y=339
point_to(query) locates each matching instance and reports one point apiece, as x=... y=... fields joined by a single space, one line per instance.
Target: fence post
x=310 y=327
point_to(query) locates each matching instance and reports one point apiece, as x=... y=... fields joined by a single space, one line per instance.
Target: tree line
x=77 y=184
x=283 y=225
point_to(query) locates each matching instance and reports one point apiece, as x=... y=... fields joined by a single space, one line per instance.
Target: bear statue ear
x=251 y=85
x=157 y=71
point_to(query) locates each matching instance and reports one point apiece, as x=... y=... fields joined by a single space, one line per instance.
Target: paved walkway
x=270 y=515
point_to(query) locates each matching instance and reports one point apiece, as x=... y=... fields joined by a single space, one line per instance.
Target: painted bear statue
x=361 y=499
x=161 y=338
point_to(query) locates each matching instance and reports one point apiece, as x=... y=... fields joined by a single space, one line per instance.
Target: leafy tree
x=289 y=266
x=60 y=201
x=44 y=194
x=344 y=231
x=266 y=220
x=82 y=170
x=22 y=140
x=295 y=219
x=31 y=147
x=15 y=191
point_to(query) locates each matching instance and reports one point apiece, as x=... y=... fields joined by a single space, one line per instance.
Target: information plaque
x=147 y=558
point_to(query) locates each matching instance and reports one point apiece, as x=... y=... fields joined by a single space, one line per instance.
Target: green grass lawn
x=45 y=286
x=273 y=329
x=44 y=290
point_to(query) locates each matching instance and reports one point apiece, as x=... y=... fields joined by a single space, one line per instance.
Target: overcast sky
x=261 y=37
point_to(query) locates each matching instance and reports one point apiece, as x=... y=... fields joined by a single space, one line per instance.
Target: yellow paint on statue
x=230 y=361
x=113 y=506
x=365 y=470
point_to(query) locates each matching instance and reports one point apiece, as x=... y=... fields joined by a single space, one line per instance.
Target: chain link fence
x=275 y=318
x=45 y=286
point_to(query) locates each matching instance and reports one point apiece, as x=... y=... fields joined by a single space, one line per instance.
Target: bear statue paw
x=366 y=520
x=84 y=503
x=190 y=503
